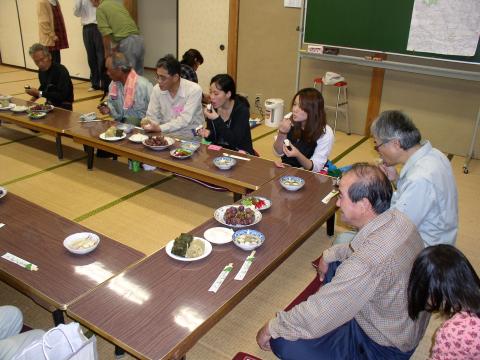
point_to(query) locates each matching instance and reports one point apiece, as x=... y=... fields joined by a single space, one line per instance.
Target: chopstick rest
x=330 y=196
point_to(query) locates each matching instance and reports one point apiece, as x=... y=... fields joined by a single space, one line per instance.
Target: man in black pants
x=55 y=83
x=93 y=42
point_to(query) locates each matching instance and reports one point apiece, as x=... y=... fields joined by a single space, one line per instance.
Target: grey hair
x=120 y=61
x=394 y=124
x=38 y=47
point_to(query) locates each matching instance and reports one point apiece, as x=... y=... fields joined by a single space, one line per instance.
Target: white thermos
x=273 y=112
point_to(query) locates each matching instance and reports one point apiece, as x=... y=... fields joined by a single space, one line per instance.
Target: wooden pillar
x=131 y=6
x=232 y=47
x=374 y=101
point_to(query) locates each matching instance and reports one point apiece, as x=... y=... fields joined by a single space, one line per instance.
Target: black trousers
x=55 y=56
x=93 y=42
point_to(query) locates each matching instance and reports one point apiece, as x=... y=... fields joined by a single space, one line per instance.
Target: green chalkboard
x=373 y=25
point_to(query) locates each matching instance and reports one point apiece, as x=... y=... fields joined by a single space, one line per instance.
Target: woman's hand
x=205 y=133
x=104 y=109
x=210 y=114
x=291 y=153
x=285 y=125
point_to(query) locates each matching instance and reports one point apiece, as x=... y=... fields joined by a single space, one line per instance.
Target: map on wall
x=448 y=27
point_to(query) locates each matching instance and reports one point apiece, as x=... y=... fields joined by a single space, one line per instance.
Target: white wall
x=157 y=21
x=10 y=39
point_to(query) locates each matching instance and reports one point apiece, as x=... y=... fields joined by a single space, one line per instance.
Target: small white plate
x=218 y=235
x=19 y=108
x=72 y=239
x=9 y=107
x=3 y=192
x=112 y=138
x=138 y=138
x=208 y=250
x=266 y=206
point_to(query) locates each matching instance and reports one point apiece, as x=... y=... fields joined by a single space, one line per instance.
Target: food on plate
x=291 y=182
x=239 y=216
x=40 y=107
x=181 y=152
x=84 y=243
x=186 y=246
x=20 y=108
x=196 y=249
x=248 y=239
x=145 y=121
x=112 y=131
x=254 y=201
x=156 y=141
x=38 y=115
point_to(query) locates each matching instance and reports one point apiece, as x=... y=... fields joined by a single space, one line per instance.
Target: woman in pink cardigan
x=443 y=280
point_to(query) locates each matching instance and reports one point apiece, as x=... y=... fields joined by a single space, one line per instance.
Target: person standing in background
x=120 y=33
x=191 y=60
x=92 y=39
x=51 y=28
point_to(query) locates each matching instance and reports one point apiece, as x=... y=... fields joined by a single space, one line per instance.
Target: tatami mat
x=15 y=76
x=158 y=215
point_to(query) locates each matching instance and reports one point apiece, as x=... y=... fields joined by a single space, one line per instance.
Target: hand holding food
x=33 y=92
x=149 y=125
x=285 y=125
x=209 y=112
x=290 y=150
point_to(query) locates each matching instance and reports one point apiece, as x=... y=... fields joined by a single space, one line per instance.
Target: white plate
x=9 y=107
x=208 y=250
x=69 y=240
x=220 y=212
x=3 y=192
x=140 y=138
x=172 y=153
x=112 y=138
x=218 y=235
x=19 y=108
x=170 y=142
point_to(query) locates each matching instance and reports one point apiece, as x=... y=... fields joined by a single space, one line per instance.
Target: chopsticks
x=236 y=157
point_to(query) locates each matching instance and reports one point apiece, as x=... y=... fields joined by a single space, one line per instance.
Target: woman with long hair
x=443 y=280
x=228 y=116
x=310 y=139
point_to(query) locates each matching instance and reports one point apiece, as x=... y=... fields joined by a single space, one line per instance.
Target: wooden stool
x=342 y=101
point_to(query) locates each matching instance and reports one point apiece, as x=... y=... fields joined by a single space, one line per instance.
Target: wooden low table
x=55 y=123
x=244 y=177
x=159 y=308
x=36 y=235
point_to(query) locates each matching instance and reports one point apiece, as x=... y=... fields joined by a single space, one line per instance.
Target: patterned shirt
x=458 y=338
x=369 y=286
x=187 y=72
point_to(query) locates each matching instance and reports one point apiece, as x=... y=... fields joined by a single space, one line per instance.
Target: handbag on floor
x=64 y=342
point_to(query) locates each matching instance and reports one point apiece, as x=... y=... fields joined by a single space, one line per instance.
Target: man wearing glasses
x=426 y=190
x=175 y=104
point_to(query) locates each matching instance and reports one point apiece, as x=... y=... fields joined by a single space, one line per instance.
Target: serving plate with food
x=248 y=239
x=158 y=142
x=218 y=235
x=10 y=106
x=292 y=183
x=256 y=202
x=190 y=145
x=237 y=216
x=188 y=248
x=81 y=243
x=45 y=108
x=37 y=115
x=138 y=138
x=113 y=134
x=181 y=153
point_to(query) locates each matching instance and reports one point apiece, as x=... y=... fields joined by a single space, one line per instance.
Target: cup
x=136 y=166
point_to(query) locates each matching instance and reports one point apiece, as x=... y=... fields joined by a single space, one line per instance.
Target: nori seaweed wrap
x=181 y=244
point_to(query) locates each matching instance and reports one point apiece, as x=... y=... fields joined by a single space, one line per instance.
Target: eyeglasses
x=162 y=78
x=376 y=147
